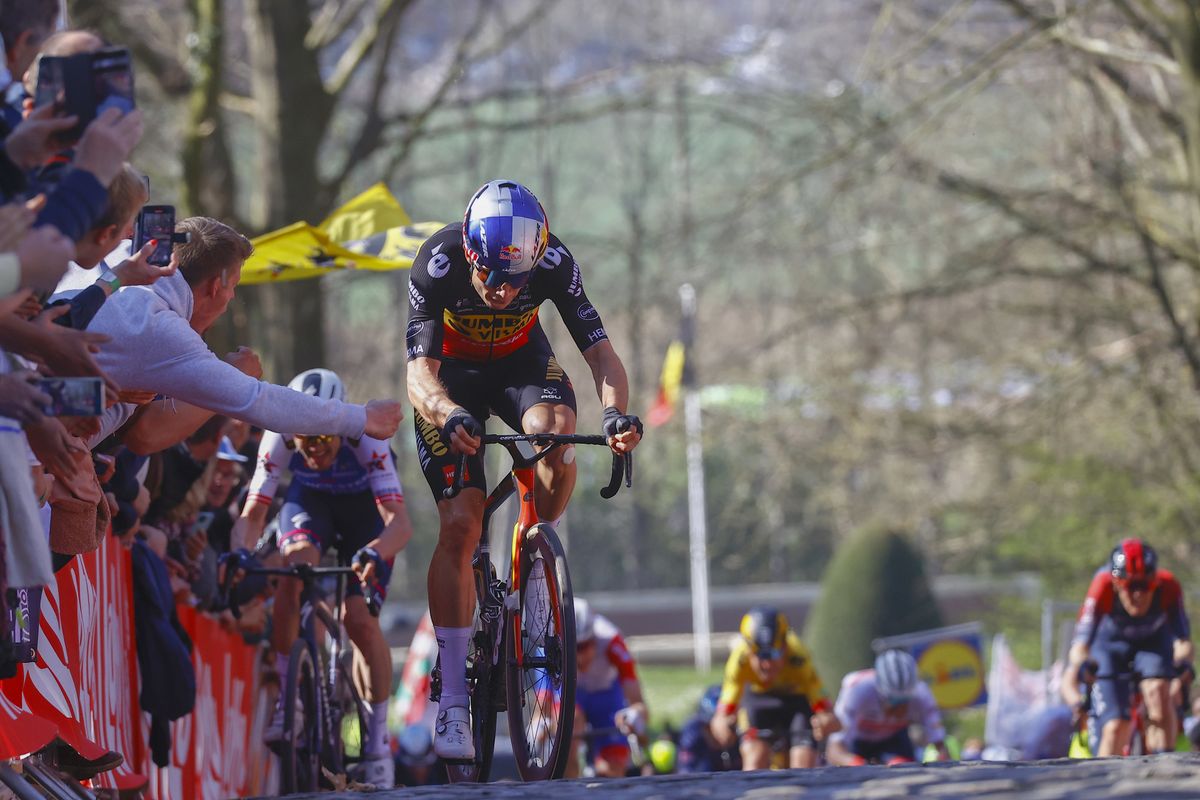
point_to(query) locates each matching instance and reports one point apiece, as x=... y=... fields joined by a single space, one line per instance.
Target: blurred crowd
x=159 y=459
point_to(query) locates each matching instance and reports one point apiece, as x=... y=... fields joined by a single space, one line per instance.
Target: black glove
x=373 y=593
x=1185 y=671
x=1088 y=671
x=461 y=417
x=615 y=422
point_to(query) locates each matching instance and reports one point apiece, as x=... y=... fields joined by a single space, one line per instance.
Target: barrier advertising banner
x=950 y=660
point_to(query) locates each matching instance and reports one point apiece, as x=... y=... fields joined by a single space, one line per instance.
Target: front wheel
x=301 y=723
x=541 y=659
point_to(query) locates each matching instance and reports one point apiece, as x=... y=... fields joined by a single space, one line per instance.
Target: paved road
x=1170 y=776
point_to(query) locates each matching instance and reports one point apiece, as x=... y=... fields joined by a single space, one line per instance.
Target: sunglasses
x=316 y=439
x=773 y=654
x=1138 y=584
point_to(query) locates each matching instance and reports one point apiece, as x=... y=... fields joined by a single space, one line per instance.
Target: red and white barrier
x=83 y=688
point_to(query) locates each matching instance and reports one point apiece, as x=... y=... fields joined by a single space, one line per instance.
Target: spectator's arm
x=10 y=273
x=75 y=204
x=83 y=305
x=158 y=425
x=12 y=177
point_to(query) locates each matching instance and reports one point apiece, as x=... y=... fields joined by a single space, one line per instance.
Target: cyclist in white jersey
x=346 y=495
x=876 y=707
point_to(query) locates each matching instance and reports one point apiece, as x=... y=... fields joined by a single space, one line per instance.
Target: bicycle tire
x=480 y=692
x=299 y=762
x=347 y=707
x=540 y=680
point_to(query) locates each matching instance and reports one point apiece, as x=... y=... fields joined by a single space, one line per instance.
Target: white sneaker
x=379 y=771
x=452 y=739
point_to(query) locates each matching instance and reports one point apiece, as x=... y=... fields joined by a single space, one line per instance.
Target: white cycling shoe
x=379 y=771
x=452 y=739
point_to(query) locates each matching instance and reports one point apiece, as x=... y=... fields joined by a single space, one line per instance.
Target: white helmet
x=323 y=383
x=896 y=674
x=585 y=621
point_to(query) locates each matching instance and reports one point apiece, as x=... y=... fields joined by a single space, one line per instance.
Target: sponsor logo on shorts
x=431 y=436
x=551 y=393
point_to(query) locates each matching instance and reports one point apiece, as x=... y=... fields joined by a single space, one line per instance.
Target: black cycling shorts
x=785 y=719
x=506 y=387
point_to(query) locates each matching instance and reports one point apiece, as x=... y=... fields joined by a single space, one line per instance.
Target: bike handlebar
x=622 y=462
x=235 y=565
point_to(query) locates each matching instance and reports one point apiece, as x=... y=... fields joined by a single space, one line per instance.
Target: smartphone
x=85 y=85
x=73 y=397
x=156 y=222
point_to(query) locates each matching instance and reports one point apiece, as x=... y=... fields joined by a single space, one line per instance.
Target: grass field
x=672 y=691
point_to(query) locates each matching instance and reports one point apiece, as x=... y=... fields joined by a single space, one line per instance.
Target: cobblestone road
x=1170 y=776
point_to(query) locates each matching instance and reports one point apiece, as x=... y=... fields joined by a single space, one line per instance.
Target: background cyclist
x=1131 y=622
x=698 y=749
x=876 y=707
x=345 y=495
x=608 y=694
x=476 y=347
x=770 y=673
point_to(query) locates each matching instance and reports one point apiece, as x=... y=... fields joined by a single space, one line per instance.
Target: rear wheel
x=481 y=689
x=300 y=760
x=541 y=663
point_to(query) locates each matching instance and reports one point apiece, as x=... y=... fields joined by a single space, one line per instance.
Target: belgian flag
x=669 y=385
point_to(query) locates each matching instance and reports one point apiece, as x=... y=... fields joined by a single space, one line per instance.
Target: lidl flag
x=370 y=232
x=668 y=384
x=950 y=660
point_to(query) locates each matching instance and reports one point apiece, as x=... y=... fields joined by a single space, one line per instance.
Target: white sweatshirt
x=154 y=348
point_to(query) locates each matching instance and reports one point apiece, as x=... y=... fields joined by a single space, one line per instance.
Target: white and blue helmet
x=896 y=674
x=322 y=383
x=505 y=233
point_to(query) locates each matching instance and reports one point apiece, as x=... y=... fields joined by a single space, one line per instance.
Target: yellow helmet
x=765 y=629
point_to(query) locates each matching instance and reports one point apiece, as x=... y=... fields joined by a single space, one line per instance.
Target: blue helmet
x=505 y=233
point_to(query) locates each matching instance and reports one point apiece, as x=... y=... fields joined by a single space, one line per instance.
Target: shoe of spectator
x=452 y=738
x=379 y=771
x=273 y=733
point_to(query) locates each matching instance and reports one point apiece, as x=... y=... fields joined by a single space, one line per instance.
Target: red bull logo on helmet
x=510 y=252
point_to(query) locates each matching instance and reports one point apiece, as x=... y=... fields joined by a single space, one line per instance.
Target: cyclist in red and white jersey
x=876 y=707
x=608 y=694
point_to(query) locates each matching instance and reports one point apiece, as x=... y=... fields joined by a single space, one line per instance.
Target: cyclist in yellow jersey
x=771 y=675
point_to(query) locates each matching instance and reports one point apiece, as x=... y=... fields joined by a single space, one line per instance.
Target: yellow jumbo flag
x=371 y=232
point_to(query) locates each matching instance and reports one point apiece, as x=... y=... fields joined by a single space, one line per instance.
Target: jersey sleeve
x=847 y=706
x=1177 y=618
x=1096 y=604
x=565 y=290
x=732 y=684
x=426 y=293
x=808 y=681
x=928 y=714
x=376 y=458
x=272 y=456
x=619 y=656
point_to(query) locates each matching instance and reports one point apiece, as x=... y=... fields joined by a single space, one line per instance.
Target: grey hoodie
x=154 y=348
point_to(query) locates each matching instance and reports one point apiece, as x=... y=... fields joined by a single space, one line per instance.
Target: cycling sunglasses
x=317 y=439
x=771 y=654
x=492 y=278
x=1138 y=584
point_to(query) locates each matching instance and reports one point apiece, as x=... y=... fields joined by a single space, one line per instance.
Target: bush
x=874 y=586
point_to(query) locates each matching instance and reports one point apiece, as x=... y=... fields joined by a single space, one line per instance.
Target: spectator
x=157 y=346
x=227 y=478
x=24 y=26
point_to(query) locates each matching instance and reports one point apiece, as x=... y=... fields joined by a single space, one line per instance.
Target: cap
x=227 y=452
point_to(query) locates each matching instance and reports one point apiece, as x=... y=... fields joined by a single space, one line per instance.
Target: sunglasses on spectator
x=316 y=439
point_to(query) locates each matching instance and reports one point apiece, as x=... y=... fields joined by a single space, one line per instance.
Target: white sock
x=376 y=743
x=452 y=646
x=281 y=666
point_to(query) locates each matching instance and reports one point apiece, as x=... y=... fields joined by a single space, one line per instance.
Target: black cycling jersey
x=447 y=319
